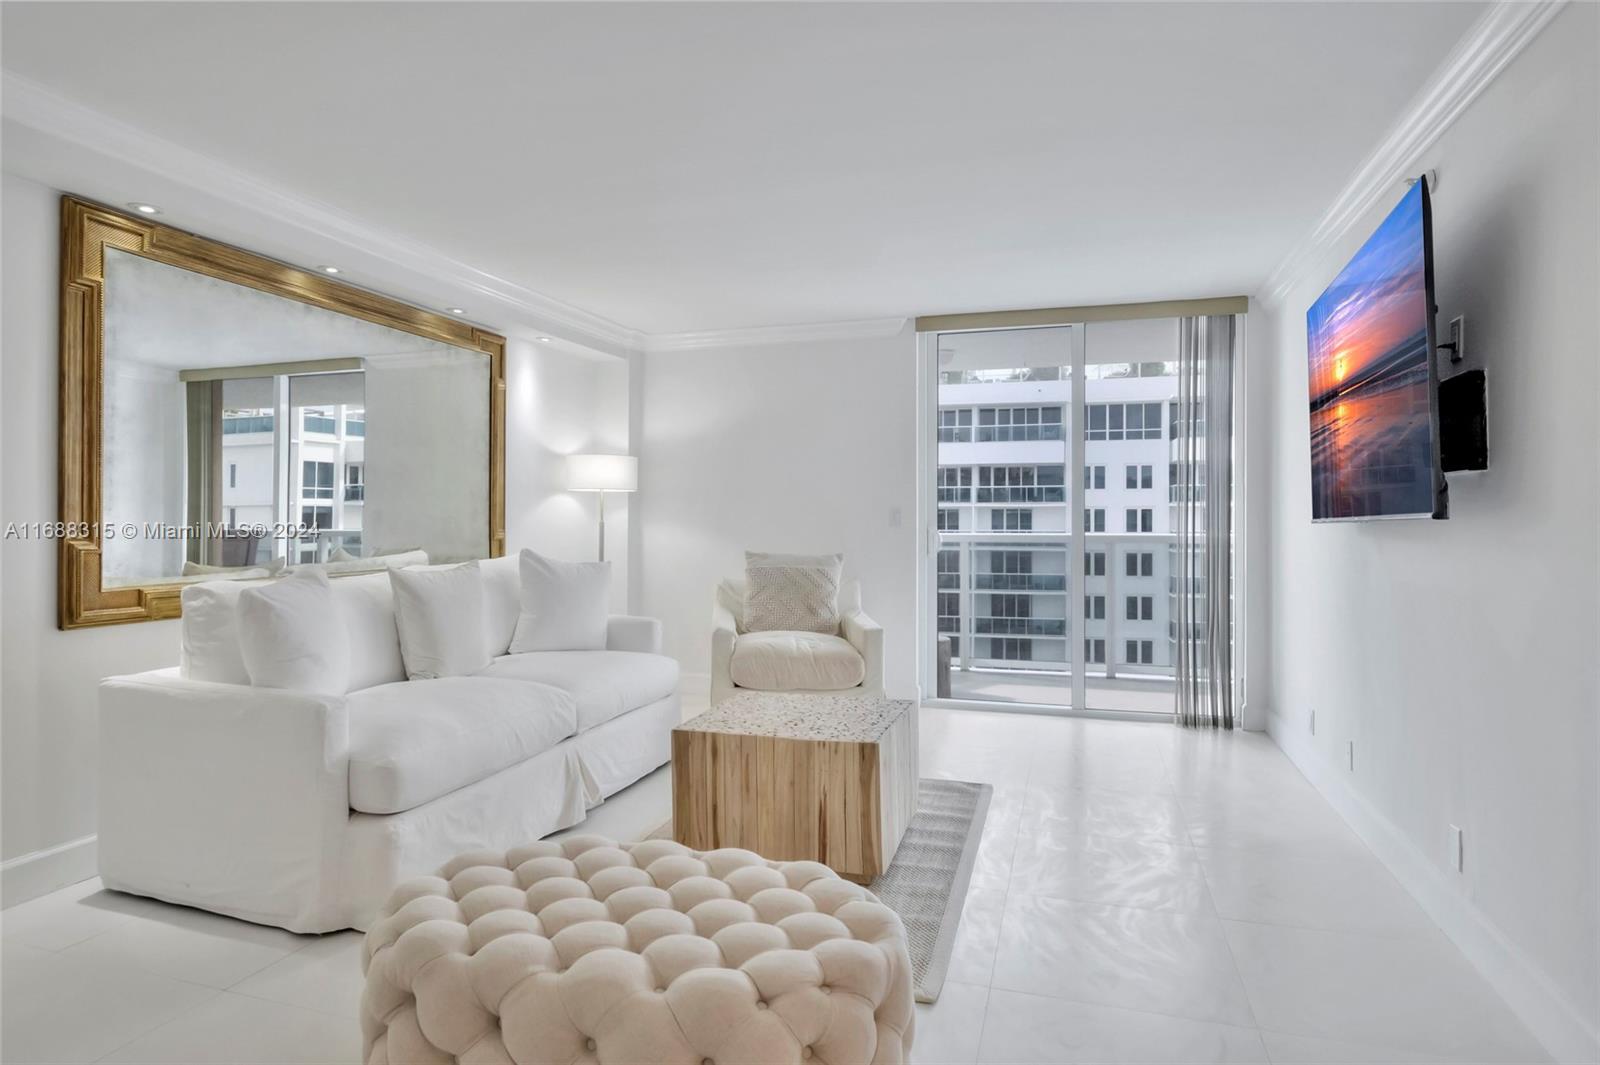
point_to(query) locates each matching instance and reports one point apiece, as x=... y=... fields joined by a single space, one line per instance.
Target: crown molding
x=30 y=104
x=1477 y=59
x=863 y=329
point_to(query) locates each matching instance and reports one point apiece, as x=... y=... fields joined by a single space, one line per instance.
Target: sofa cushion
x=604 y=683
x=502 y=601
x=440 y=616
x=795 y=661
x=564 y=604
x=291 y=635
x=413 y=741
x=209 y=648
x=366 y=602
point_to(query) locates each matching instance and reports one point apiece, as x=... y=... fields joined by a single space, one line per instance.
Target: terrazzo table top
x=794 y=716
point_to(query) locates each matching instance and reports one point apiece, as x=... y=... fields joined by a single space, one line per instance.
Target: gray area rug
x=926 y=884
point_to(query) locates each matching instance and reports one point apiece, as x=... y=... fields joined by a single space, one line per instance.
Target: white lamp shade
x=602 y=473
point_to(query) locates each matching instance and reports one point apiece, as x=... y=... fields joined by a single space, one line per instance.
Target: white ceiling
x=685 y=167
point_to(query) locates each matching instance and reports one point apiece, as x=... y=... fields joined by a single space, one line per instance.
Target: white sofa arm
x=224 y=796
x=866 y=636
x=628 y=633
x=724 y=631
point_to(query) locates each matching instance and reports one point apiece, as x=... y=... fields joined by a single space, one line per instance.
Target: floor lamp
x=602 y=473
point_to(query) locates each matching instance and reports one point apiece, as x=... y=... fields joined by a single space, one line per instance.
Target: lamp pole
x=602 y=524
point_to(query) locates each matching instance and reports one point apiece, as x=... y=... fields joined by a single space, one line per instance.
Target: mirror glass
x=245 y=432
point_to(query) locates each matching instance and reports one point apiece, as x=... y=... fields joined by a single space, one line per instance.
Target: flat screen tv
x=1374 y=384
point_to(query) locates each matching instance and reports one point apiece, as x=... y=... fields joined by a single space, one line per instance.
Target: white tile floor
x=1142 y=895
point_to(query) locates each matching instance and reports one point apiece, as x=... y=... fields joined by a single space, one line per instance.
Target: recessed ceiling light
x=544 y=340
x=329 y=269
x=456 y=310
x=145 y=208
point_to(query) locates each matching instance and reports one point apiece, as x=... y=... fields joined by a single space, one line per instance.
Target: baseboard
x=27 y=876
x=1531 y=994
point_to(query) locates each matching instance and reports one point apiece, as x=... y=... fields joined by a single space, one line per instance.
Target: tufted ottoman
x=585 y=950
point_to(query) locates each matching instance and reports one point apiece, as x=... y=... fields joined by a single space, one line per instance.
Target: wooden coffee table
x=830 y=778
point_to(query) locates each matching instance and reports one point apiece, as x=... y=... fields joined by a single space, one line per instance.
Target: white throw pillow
x=293 y=636
x=564 y=605
x=210 y=633
x=791 y=593
x=440 y=613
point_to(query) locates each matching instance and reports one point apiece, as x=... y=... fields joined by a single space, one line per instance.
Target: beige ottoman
x=586 y=950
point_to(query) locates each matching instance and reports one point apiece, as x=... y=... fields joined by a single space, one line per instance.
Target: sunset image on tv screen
x=1371 y=430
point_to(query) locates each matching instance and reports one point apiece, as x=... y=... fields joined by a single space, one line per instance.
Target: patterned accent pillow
x=791 y=593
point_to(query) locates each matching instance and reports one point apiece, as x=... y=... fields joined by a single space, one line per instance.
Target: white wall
x=47 y=689
x=1460 y=656
x=806 y=447
x=557 y=401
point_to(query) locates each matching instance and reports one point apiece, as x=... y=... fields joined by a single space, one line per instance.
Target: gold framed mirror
x=226 y=415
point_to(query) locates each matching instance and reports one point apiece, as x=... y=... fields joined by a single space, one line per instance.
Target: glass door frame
x=927 y=515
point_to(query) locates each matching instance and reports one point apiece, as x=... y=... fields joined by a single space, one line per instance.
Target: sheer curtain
x=1203 y=498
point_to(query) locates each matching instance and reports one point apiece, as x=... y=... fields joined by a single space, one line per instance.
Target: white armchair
x=849 y=661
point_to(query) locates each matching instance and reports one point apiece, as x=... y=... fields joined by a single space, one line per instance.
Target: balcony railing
x=1022 y=493
x=969 y=616
x=1015 y=582
x=355 y=493
x=1020 y=626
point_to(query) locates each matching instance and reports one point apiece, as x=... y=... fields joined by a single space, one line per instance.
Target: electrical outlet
x=1313 y=722
x=1350 y=754
x=1458 y=854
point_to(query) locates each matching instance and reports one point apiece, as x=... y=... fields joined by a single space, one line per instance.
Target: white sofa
x=849 y=661
x=304 y=811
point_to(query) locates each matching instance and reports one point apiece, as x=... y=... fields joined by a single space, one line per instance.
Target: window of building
x=1094 y=607
x=316 y=480
x=1094 y=651
x=1094 y=563
x=1021 y=484
x=955 y=426
x=1141 y=608
x=316 y=517
x=233 y=475
x=949 y=611
x=1140 y=519
x=949 y=519
x=1011 y=519
x=1010 y=561
x=1139 y=652
x=1094 y=477
x=955 y=484
x=1019 y=423
x=355 y=489
x=1140 y=563
x=233 y=517
x=949 y=567
x=1140 y=477
x=1010 y=606
x=1123 y=421
x=1094 y=519
x=317 y=420
x=1010 y=649
x=355 y=423
x=246 y=421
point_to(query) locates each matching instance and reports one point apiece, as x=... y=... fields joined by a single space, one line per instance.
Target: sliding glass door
x=1054 y=556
